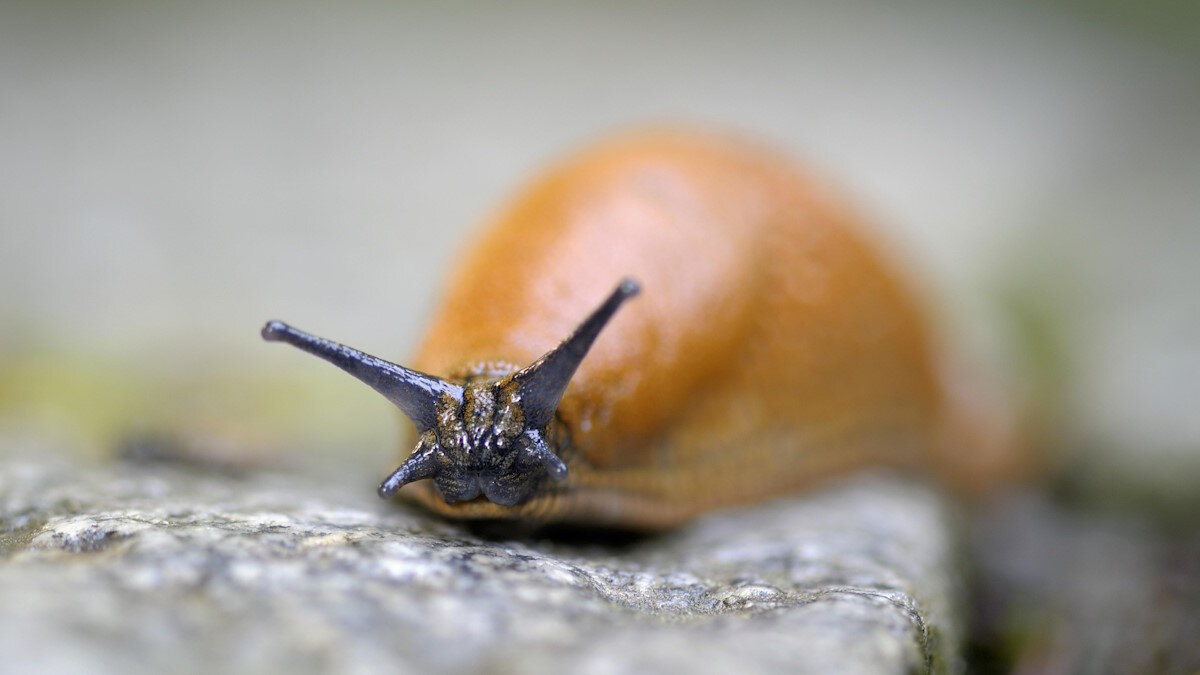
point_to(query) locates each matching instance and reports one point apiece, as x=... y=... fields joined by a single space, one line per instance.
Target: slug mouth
x=483 y=487
x=535 y=508
x=498 y=498
x=497 y=494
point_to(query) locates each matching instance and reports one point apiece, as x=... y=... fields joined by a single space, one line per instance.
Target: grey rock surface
x=1068 y=590
x=149 y=568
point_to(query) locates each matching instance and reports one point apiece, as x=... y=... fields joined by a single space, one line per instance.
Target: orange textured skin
x=771 y=346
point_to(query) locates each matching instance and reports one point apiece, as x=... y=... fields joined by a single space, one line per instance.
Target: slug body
x=772 y=345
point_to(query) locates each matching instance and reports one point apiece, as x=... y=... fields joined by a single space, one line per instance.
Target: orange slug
x=770 y=345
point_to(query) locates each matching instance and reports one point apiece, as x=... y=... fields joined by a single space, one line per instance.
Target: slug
x=770 y=345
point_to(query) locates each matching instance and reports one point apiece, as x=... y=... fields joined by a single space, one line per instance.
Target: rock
x=128 y=567
x=1072 y=590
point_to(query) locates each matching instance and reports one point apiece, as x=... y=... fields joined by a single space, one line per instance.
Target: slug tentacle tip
x=422 y=464
x=541 y=452
x=273 y=330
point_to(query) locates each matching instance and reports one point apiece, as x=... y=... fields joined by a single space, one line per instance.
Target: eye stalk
x=415 y=394
x=543 y=383
x=485 y=437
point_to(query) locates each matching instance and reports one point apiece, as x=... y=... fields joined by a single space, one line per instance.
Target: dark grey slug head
x=484 y=437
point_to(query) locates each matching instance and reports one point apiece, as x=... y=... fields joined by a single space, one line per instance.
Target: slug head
x=480 y=445
x=485 y=437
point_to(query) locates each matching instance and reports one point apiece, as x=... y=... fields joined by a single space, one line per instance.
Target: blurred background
x=173 y=174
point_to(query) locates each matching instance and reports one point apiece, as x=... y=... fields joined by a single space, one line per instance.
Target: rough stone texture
x=146 y=568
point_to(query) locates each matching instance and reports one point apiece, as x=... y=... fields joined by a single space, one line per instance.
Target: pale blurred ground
x=173 y=174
